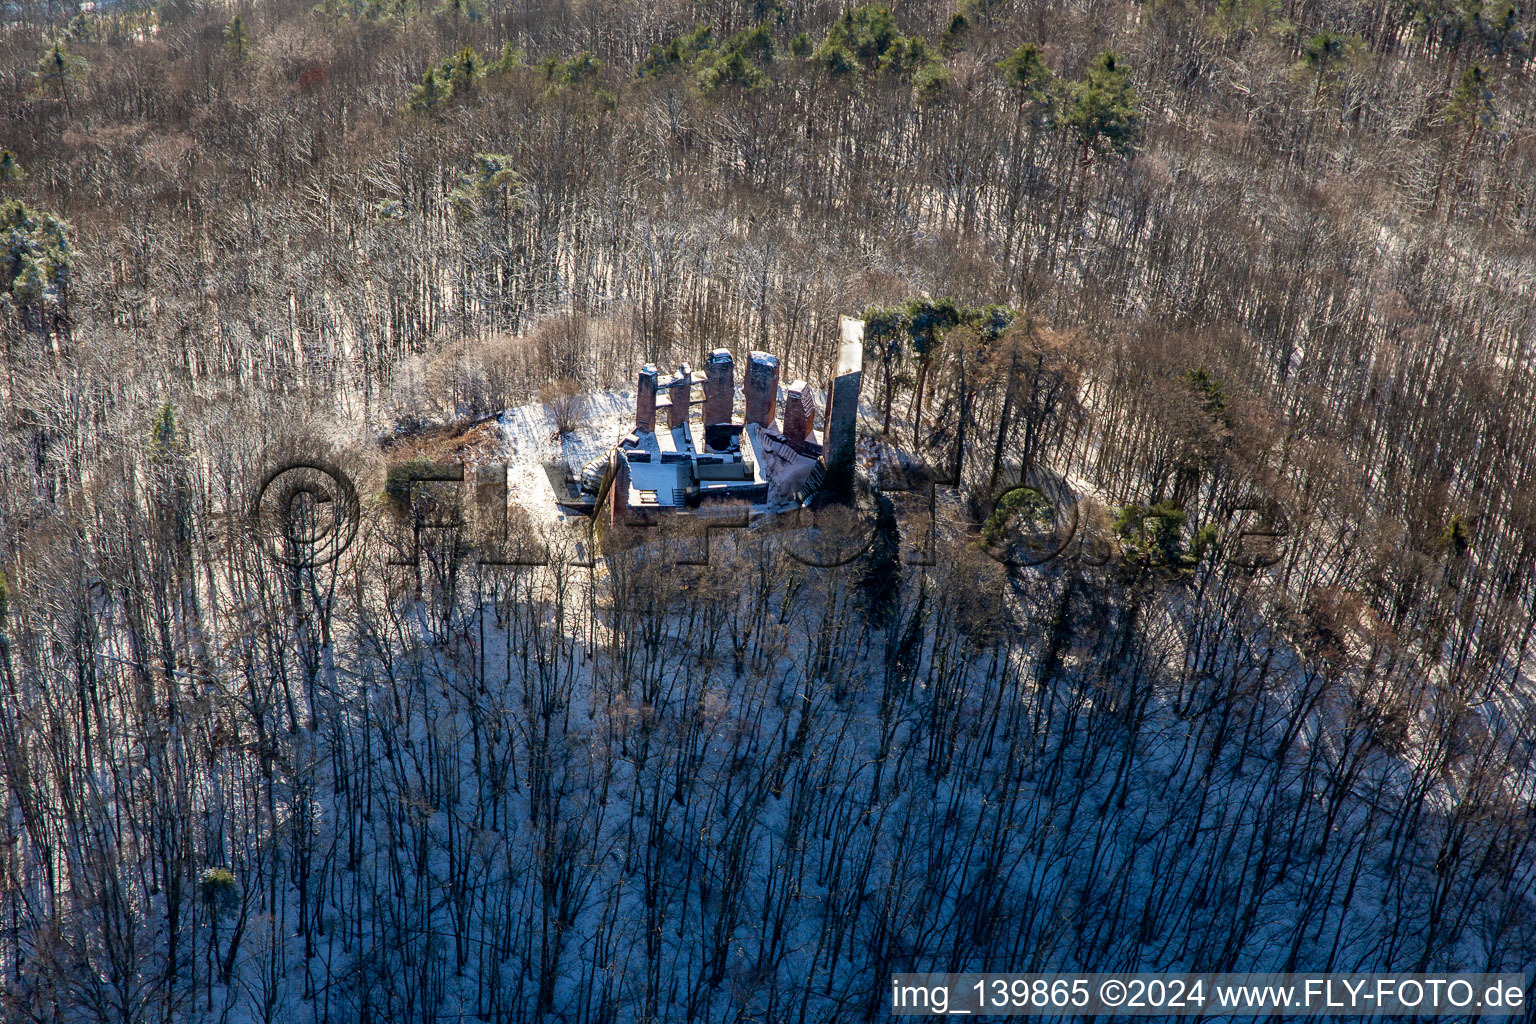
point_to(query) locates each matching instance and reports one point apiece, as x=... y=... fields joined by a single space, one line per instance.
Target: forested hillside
x=1219 y=266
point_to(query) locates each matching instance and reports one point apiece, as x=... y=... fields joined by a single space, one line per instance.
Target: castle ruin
x=674 y=460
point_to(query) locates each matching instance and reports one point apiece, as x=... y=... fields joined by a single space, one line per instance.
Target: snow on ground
x=530 y=441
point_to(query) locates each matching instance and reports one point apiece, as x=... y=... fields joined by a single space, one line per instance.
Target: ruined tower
x=645 y=399
x=762 y=388
x=842 y=418
x=719 y=387
x=681 y=392
x=799 y=411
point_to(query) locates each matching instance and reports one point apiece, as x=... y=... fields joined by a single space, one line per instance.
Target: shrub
x=397 y=479
x=1023 y=505
x=1153 y=537
x=220 y=889
x=564 y=401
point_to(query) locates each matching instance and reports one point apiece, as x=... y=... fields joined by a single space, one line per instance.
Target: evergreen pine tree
x=432 y=94
x=1472 y=108
x=1104 y=110
x=57 y=70
x=11 y=171
x=237 y=39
